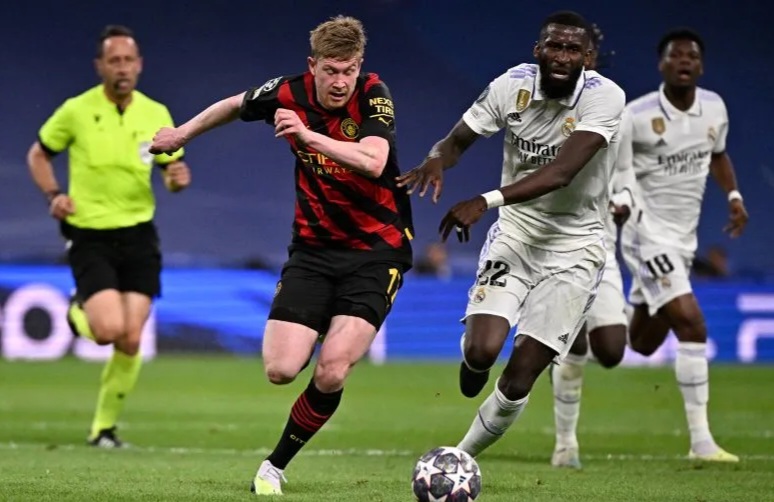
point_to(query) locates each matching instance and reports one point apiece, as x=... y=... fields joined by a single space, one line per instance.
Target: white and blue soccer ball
x=446 y=474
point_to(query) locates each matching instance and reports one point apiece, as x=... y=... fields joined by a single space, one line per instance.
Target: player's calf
x=528 y=360
x=646 y=332
x=481 y=345
x=511 y=394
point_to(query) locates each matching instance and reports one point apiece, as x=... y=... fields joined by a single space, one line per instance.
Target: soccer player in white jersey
x=678 y=136
x=545 y=262
x=605 y=330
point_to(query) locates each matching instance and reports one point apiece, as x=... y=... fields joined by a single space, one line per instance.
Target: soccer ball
x=446 y=474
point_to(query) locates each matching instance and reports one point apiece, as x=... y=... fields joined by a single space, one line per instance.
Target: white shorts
x=609 y=306
x=659 y=273
x=547 y=292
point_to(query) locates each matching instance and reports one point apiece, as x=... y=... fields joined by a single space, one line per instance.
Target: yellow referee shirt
x=109 y=163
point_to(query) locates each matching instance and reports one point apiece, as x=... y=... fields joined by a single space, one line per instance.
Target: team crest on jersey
x=569 y=126
x=712 y=134
x=522 y=100
x=479 y=295
x=278 y=288
x=349 y=128
x=665 y=282
x=658 y=125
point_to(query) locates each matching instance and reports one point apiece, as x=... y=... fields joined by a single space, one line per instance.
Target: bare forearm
x=220 y=113
x=362 y=158
x=723 y=171
x=536 y=184
x=451 y=148
x=42 y=170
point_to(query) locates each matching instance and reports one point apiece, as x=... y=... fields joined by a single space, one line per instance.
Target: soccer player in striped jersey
x=352 y=229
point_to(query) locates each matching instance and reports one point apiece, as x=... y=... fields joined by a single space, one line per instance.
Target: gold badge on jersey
x=349 y=128
x=658 y=125
x=479 y=296
x=522 y=100
x=712 y=134
x=569 y=126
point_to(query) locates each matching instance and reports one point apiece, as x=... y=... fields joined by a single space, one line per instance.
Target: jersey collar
x=106 y=101
x=569 y=101
x=669 y=110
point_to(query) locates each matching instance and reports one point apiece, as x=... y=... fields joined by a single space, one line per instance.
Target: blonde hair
x=341 y=37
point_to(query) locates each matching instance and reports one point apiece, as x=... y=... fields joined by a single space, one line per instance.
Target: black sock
x=471 y=382
x=309 y=413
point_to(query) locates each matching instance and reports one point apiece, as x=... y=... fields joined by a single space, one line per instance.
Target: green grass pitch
x=199 y=427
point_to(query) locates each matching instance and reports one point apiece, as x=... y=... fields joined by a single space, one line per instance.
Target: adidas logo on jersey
x=564 y=338
x=661 y=142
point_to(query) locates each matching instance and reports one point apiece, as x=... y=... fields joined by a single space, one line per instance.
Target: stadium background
x=225 y=238
x=199 y=423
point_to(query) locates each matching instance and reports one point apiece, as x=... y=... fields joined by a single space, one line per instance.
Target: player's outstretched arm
x=171 y=139
x=722 y=170
x=444 y=154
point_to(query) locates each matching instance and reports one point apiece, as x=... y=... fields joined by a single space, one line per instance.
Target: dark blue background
x=436 y=57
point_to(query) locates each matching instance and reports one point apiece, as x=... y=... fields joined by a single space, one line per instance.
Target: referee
x=106 y=213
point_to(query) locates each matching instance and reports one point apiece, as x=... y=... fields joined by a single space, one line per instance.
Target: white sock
x=692 y=371
x=567 y=380
x=495 y=415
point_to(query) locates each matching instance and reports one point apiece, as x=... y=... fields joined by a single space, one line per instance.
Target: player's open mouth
x=338 y=95
x=685 y=74
x=560 y=75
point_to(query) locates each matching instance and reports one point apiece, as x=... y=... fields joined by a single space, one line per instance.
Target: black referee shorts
x=125 y=259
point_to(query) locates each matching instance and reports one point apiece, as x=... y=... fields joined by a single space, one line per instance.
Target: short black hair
x=566 y=18
x=112 y=30
x=680 y=34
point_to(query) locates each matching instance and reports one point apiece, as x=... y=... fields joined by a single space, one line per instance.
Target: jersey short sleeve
x=162 y=159
x=57 y=133
x=600 y=110
x=260 y=103
x=487 y=115
x=377 y=110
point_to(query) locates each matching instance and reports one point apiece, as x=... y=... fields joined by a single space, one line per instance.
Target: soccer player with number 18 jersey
x=677 y=136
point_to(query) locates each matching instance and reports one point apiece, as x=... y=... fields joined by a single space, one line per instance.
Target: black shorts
x=317 y=284
x=126 y=259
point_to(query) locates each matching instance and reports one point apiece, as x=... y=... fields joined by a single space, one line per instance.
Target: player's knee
x=107 y=330
x=482 y=356
x=279 y=373
x=643 y=346
x=609 y=358
x=329 y=375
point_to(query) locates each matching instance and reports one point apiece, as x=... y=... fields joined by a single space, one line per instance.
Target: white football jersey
x=671 y=151
x=536 y=128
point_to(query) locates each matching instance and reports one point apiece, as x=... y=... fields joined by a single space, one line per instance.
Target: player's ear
x=536 y=50
x=139 y=65
x=98 y=67
x=312 y=62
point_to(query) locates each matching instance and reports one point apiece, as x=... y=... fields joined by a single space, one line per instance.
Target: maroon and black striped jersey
x=336 y=207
